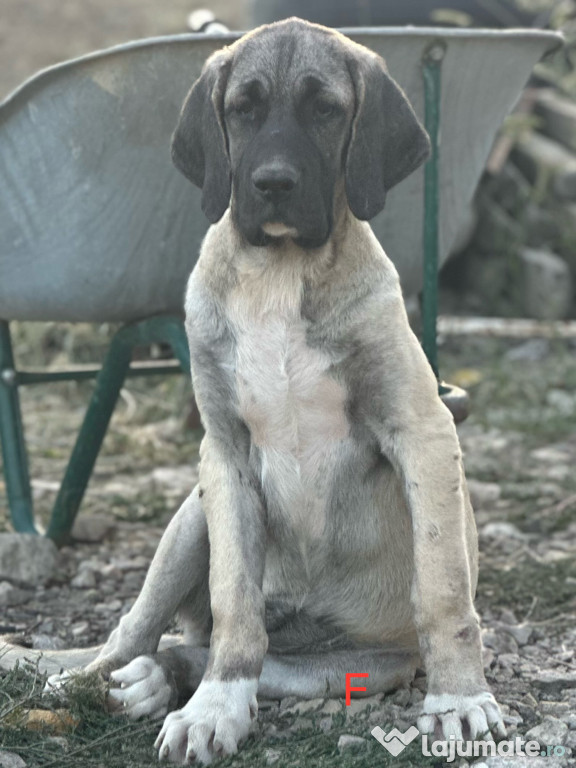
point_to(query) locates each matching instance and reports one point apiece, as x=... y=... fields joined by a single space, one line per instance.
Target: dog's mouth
x=279 y=229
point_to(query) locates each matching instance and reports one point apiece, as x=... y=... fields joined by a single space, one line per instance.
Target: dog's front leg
x=220 y=713
x=428 y=457
x=398 y=394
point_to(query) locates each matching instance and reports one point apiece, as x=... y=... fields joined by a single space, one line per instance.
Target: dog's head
x=279 y=119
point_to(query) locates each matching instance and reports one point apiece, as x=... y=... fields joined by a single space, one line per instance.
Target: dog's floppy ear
x=199 y=143
x=387 y=141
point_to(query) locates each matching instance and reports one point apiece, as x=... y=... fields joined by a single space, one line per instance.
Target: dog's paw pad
x=144 y=690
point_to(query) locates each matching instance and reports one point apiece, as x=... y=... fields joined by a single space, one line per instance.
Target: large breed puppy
x=331 y=530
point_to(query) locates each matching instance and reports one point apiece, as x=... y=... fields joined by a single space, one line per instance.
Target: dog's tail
x=54 y=662
x=51 y=662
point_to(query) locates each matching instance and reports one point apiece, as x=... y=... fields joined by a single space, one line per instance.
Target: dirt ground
x=520 y=453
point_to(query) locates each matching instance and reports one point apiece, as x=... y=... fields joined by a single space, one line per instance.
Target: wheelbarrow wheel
x=456 y=399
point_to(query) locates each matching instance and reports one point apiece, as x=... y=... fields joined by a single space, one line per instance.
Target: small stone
x=501 y=531
x=530 y=701
x=300 y=724
x=92 y=528
x=179 y=480
x=109 y=607
x=358 y=706
x=333 y=707
x=401 y=697
x=348 y=743
x=546 y=284
x=43 y=642
x=533 y=350
x=500 y=642
x=570 y=741
x=84 y=580
x=59 y=741
x=11 y=760
x=27 y=558
x=60 y=721
x=133 y=581
x=520 y=632
x=83 y=628
x=302 y=707
x=488 y=657
x=272 y=756
x=549 y=731
x=110 y=571
x=287 y=702
x=134 y=564
x=507 y=616
x=556 y=708
x=508 y=660
x=483 y=494
x=563 y=402
x=325 y=724
x=416 y=696
x=270 y=731
x=554 y=681
x=11 y=595
x=512 y=720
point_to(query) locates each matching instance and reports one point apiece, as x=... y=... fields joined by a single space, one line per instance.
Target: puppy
x=331 y=529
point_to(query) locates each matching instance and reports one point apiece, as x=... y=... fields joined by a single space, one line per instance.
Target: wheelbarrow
x=97 y=226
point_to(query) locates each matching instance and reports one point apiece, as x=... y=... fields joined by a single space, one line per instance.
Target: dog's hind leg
x=316 y=675
x=179 y=569
x=153 y=685
x=177 y=579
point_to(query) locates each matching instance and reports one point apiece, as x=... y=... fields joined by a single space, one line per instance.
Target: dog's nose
x=274 y=181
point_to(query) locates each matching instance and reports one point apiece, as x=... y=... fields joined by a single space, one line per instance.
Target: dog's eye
x=244 y=107
x=324 y=108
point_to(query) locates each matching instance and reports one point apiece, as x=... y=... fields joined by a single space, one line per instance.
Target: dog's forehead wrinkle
x=256 y=80
x=283 y=57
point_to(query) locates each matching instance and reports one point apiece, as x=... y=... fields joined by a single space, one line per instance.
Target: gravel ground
x=520 y=451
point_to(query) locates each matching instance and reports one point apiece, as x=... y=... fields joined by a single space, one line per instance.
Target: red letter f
x=349 y=688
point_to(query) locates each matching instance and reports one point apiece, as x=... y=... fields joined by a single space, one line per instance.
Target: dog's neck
x=228 y=261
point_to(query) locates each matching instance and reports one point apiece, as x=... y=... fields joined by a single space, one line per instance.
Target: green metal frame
x=117 y=364
x=109 y=380
x=432 y=76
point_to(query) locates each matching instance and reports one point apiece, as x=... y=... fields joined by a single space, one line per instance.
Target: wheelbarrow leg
x=454 y=398
x=107 y=390
x=12 y=438
x=176 y=337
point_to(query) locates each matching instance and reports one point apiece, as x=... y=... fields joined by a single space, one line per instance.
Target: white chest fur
x=294 y=408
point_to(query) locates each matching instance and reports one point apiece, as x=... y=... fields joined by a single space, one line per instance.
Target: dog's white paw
x=144 y=690
x=57 y=683
x=448 y=712
x=211 y=725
